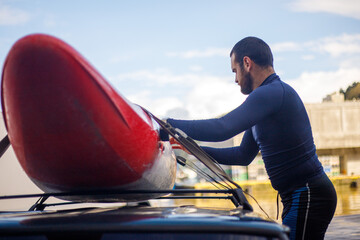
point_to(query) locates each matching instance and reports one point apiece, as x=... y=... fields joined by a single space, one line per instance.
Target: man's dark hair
x=256 y=49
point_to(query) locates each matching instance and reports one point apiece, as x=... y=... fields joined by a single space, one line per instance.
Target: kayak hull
x=71 y=130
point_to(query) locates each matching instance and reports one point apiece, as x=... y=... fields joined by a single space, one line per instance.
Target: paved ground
x=344 y=227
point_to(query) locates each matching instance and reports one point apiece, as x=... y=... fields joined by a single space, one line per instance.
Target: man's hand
x=176 y=145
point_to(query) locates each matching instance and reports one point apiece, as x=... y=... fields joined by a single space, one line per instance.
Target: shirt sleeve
x=241 y=155
x=262 y=102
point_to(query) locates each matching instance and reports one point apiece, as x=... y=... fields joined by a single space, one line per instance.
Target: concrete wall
x=336 y=130
x=335 y=125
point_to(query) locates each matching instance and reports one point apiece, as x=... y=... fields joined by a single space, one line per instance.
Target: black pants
x=308 y=210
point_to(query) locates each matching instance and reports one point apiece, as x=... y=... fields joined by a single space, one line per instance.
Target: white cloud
x=12 y=16
x=177 y=112
x=335 y=46
x=210 y=52
x=314 y=86
x=157 y=105
x=213 y=98
x=339 y=45
x=348 y=8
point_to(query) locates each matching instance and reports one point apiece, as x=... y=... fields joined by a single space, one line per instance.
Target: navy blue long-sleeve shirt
x=276 y=123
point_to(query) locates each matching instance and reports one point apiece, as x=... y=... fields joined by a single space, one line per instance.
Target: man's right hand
x=176 y=145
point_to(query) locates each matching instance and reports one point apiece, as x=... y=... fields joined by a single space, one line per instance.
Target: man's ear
x=247 y=63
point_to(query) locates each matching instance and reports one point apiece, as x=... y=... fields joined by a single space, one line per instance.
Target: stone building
x=336 y=129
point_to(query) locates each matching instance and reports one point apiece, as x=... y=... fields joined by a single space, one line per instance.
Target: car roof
x=138 y=219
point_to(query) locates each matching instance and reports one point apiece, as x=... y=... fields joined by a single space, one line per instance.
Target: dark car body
x=139 y=222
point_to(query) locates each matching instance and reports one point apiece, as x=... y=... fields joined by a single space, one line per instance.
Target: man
x=276 y=123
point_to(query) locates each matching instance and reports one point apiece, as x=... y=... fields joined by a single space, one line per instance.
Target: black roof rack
x=235 y=195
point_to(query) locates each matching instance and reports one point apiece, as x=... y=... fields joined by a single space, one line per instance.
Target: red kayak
x=71 y=130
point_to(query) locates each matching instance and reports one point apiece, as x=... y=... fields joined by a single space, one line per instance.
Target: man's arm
x=242 y=155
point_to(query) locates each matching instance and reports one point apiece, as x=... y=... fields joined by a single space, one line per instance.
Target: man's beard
x=248 y=84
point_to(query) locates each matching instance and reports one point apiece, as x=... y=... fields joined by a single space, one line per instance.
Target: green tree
x=352 y=92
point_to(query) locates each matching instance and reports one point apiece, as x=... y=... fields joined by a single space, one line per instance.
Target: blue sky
x=172 y=57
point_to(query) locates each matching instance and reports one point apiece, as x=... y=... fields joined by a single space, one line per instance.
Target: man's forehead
x=233 y=62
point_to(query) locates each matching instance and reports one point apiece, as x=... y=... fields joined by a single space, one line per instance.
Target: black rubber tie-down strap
x=4 y=145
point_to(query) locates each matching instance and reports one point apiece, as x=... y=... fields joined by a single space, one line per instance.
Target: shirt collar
x=270 y=79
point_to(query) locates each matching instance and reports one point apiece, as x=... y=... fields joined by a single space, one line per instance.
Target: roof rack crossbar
x=230 y=194
x=115 y=192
